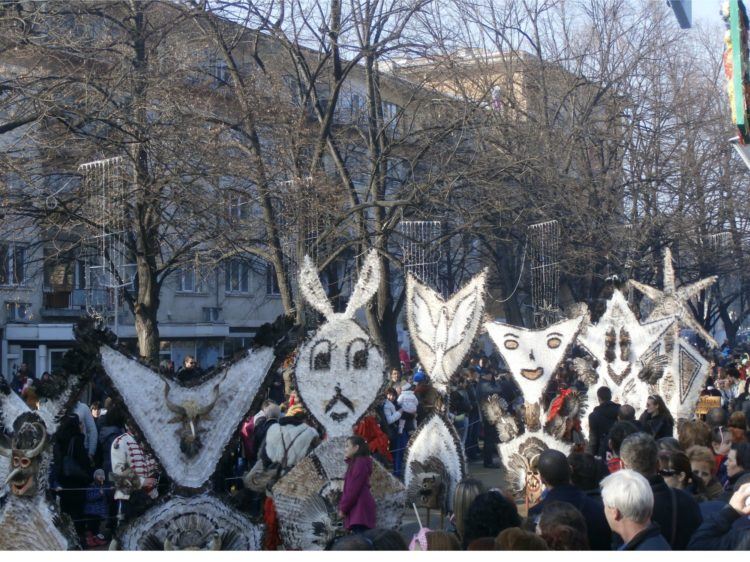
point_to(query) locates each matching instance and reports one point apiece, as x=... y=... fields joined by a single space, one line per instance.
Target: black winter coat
x=720 y=533
x=648 y=539
x=601 y=420
x=688 y=517
x=599 y=534
x=658 y=426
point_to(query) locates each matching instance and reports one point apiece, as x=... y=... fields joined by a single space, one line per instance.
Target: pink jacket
x=357 y=503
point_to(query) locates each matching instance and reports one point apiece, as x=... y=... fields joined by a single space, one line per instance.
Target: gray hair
x=639 y=452
x=630 y=493
x=273 y=411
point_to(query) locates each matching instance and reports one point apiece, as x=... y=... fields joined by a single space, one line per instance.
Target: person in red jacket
x=357 y=506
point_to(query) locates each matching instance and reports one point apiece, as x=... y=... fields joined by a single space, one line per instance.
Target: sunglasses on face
x=667 y=472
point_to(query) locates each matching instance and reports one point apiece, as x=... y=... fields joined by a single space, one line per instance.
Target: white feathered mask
x=533 y=355
x=442 y=330
x=339 y=371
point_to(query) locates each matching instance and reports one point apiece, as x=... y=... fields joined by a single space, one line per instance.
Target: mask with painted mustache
x=338 y=397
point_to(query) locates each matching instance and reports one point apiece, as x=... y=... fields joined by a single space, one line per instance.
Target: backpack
x=263 y=476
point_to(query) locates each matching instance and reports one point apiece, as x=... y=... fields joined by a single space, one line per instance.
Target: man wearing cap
x=428 y=397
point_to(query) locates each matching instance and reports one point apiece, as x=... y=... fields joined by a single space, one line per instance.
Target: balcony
x=63 y=303
x=72 y=303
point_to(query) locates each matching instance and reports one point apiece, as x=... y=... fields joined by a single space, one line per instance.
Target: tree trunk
x=146 y=310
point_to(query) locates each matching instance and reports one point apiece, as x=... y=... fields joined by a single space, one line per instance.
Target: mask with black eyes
x=533 y=355
x=619 y=340
x=339 y=371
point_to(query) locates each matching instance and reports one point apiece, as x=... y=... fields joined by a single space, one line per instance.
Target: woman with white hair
x=628 y=505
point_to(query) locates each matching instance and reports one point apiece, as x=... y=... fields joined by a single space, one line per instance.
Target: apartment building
x=209 y=311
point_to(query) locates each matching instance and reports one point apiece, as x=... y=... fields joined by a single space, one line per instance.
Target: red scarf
x=369 y=430
x=558 y=402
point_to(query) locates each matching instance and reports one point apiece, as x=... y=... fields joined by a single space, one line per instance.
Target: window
x=237 y=277
x=216 y=67
x=56 y=360
x=12 y=264
x=293 y=86
x=358 y=104
x=186 y=280
x=390 y=115
x=80 y=274
x=272 y=283
x=190 y=280
x=165 y=351
x=235 y=345
x=211 y=314
x=28 y=356
x=58 y=271
x=359 y=109
x=17 y=311
x=238 y=206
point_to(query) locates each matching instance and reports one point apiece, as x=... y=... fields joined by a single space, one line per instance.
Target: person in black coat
x=555 y=472
x=472 y=435
x=656 y=419
x=71 y=487
x=675 y=511
x=720 y=532
x=601 y=420
x=190 y=372
x=489 y=385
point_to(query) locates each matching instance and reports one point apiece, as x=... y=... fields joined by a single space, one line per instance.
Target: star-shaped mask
x=618 y=340
x=672 y=302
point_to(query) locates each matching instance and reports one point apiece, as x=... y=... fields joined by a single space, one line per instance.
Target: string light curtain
x=421 y=250
x=544 y=244
x=108 y=266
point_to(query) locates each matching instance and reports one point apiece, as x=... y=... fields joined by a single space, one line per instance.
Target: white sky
x=707 y=12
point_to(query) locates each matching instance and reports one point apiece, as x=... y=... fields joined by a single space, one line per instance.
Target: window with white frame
x=17 y=311
x=272 y=282
x=237 y=277
x=190 y=280
x=12 y=264
x=390 y=115
x=211 y=314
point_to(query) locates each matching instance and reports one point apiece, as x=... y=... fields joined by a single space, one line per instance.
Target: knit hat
x=419 y=376
x=406 y=386
x=295 y=410
x=99 y=472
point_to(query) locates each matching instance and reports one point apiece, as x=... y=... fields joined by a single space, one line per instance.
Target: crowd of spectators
x=647 y=483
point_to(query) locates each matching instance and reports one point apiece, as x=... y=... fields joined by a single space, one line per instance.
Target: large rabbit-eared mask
x=339 y=371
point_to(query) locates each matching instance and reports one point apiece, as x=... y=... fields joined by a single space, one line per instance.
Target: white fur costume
x=687 y=370
x=234 y=390
x=339 y=372
x=620 y=344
